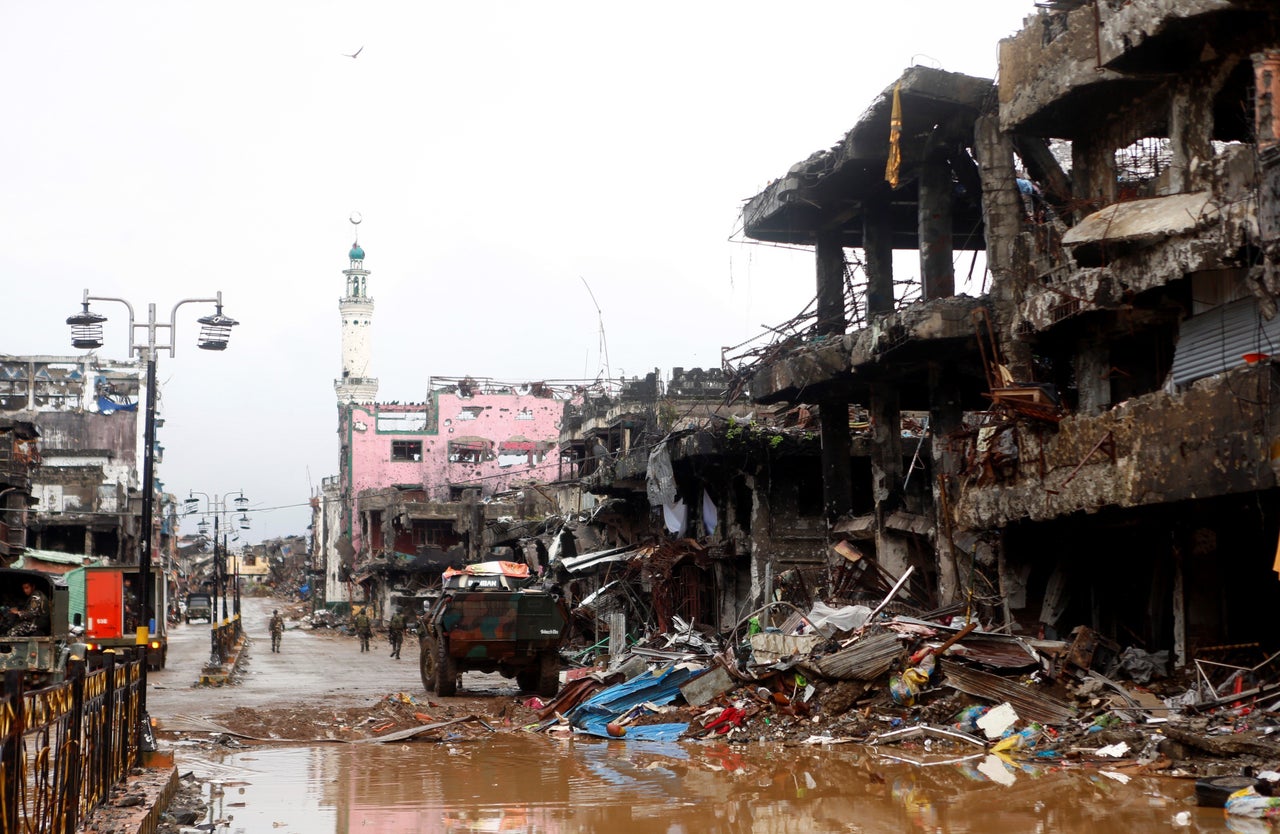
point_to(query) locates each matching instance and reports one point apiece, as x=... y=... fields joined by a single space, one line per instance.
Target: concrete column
x=1093 y=381
x=837 y=479
x=1266 y=68
x=886 y=443
x=886 y=473
x=833 y=415
x=830 y=273
x=1001 y=206
x=945 y=415
x=1190 y=134
x=877 y=247
x=936 y=270
x=1093 y=172
x=1180 y=658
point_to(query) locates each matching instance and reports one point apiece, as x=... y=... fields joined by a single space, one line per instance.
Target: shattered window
x=402 y=421
x=524 y=414
x=13 y=386
x=406 y=450
x=13 y=394
x=467 y=451
x=1140 y=164
x=429 y=534
x=471 y=412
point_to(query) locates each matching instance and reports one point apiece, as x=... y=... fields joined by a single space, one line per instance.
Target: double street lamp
x=219 y=507
x=86 y=334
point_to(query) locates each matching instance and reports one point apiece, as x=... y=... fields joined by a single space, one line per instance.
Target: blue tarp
x=658 y=687
x=110 y=406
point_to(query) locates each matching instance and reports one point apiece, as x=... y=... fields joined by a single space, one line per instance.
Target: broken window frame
x=406 y=451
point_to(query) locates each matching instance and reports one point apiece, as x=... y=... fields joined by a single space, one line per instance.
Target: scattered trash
x=997 y=721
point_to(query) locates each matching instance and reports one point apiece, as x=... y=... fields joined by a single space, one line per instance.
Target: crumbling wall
x=1213 y=439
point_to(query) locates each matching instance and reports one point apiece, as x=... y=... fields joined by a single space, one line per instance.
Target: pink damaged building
x=416 y=481
x=467 y=435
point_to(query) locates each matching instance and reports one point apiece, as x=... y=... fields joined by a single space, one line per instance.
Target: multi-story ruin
x=1099 y=434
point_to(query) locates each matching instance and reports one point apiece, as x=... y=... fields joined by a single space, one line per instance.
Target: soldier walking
x=277 y=630
x=363 y=631
x=395 y=633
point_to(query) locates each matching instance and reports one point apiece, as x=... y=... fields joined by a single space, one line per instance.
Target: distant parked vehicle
x=199 y=607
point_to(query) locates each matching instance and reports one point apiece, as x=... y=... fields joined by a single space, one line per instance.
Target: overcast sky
x=500 y=154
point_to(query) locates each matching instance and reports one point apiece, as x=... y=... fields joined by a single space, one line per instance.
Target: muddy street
x=303 y=754
x=318 y=676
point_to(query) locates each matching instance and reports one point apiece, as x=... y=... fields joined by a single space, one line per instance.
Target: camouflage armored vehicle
x=41 y=651
x=490 y=619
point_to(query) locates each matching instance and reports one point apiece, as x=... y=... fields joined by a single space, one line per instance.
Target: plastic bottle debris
x=1020 y=740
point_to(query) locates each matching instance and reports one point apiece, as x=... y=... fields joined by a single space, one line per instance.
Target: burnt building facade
x=19 y=458
x=1099 y=414
x=86 y=496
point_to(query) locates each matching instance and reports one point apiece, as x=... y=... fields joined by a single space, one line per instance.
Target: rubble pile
x=922 y=687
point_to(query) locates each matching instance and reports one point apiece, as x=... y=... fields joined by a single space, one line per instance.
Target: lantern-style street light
x=219 y=506
x=86 y=334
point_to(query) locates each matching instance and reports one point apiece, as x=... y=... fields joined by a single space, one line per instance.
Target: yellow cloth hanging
x=895 y=138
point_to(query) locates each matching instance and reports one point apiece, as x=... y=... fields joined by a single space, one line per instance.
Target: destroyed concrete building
x=19 y=458
x=418 y=481
x=87 y=493
x=684 y=500
x=1101 y=416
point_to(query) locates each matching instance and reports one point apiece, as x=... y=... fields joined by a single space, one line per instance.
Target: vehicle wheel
x=446 y=671
x=527 y=678
x=427 y=662
x=549 y=674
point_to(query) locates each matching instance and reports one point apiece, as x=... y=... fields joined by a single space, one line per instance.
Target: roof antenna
x=604 y=345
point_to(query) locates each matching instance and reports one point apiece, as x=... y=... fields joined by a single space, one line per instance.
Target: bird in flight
x=355 y=54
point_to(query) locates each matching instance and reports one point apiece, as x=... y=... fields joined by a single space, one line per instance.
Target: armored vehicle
x=490 y=618
x=41 y=654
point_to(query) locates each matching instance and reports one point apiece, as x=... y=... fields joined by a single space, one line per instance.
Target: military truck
x=490 y=617
x=109 y=599
x=41 y=656
x=199 y=607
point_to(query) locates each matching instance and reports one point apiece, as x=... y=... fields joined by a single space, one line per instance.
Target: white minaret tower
x=356 y=385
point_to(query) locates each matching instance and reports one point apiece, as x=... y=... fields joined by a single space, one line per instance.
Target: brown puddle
x=529 y=783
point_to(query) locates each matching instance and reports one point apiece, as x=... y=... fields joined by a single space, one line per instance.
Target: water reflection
x=537 y=784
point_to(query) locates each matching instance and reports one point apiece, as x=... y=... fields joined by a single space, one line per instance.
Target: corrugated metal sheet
x=1216 y=341
x=867 y=659
x=1029 y=703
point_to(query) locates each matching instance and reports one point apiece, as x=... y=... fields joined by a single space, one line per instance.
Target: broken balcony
x=1159 y=448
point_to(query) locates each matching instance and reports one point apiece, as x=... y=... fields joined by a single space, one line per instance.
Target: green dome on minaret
x=357 y=254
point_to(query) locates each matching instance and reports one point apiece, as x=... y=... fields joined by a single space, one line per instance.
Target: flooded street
x=523 y=782
x=470 y=780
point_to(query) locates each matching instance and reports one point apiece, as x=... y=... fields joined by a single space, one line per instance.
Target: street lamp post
x=217 y=506
x=86 y=334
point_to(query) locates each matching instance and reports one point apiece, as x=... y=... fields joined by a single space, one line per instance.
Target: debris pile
x=922 y=689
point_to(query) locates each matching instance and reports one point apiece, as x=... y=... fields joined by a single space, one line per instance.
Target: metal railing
x=62 y=747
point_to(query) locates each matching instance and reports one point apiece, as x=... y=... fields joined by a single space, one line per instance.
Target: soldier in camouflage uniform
x=277 y=630
x=32 y=618
x=395 y=634
x=363 y=630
